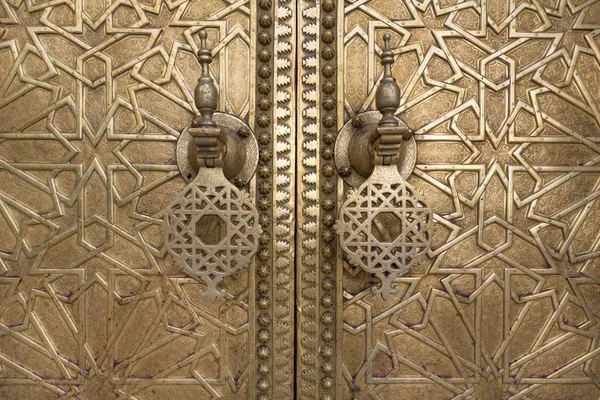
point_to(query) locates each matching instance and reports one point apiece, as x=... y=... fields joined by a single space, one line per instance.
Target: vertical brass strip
x=339 y=267
x=283 y=185
x=265 y=87
x=307 y=250
x=329 y=121
x=252 y=309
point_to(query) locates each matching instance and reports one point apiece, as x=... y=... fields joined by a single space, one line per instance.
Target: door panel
x=94 y=97
x=98 y=126
x=502 y=98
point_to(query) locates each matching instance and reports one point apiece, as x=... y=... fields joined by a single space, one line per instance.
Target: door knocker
x=383 y=225
x=212 y=226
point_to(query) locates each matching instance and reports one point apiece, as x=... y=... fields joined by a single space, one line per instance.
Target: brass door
x=487 y=212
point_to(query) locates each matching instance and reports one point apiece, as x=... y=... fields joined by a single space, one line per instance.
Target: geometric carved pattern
x=384 y=229
x=283 y=179
x=225 y=249
x=308 y=203
x=503 y=97
x=93 y=96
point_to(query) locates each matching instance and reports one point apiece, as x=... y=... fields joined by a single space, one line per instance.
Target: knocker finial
x=205 y=131
x=205 y=95
x=389 y=134
x=388 y=92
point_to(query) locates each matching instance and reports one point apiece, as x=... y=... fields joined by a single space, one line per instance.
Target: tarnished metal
x=240 y=150
x=500 y=96
x=212 y=230
x=384 y=227
x=94 y=96
x=205 y=94
x=354 y=149
x=372 y=138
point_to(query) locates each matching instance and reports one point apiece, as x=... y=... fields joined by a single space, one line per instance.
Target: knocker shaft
x=205 y=131
x=389 y=135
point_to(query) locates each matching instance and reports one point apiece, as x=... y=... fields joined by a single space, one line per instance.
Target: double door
x=304 y=230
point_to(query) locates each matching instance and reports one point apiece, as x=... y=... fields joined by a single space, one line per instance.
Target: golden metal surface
x=93 y=97
x=503 y=97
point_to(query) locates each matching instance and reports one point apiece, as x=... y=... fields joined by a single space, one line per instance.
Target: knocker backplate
x=359 y=157
x=240 y=158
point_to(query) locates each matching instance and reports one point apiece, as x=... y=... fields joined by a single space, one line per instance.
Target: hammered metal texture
x=503 y=97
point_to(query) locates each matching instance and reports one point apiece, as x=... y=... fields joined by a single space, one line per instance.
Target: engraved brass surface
x=503 y=97
x=94 y=95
